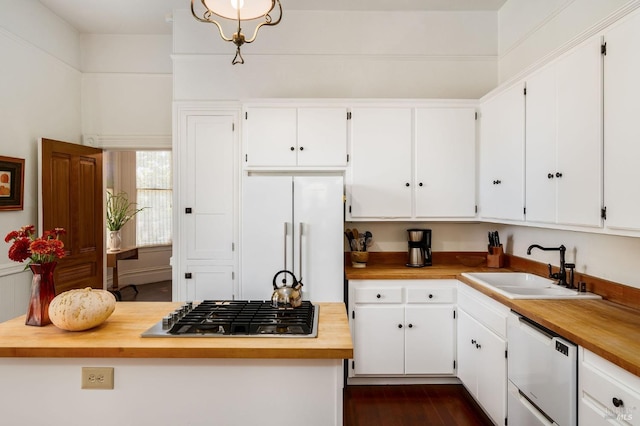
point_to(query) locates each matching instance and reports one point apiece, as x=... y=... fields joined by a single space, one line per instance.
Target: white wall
x=341 y=55
x=531 y=30
x=40 y=87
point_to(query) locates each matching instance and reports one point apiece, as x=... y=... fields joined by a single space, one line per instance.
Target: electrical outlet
x=97 y=377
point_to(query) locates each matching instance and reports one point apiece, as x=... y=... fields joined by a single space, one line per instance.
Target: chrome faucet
x=561 y=275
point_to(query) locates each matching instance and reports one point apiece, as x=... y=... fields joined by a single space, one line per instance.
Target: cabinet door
x=379 y=340
x=267 y=233
x=563 y=139
x=541 y=145
x=492 y=374
x=621 y=125
x=467 y=353
x=579 y=152
x=429 y=339
x=445 y=162
x=381 y=185
x=270 y=135
x=322 y=137
x=502 y=156
x=208 y=188
x=210 y=283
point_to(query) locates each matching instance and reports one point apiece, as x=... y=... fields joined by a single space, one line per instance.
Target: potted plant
x=119 y=211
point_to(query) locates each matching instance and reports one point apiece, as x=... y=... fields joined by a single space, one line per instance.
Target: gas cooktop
x=237 y=318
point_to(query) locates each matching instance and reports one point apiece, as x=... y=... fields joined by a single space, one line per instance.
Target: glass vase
x=43 y=291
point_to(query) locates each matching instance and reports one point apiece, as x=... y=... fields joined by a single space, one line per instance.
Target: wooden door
x=72 y=198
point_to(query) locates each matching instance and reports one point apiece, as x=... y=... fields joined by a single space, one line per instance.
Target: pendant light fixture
x=239 y=12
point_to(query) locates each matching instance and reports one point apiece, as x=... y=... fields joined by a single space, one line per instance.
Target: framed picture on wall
x=11 y=183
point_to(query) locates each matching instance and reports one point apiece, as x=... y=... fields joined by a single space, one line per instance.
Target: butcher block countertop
x=608 y=329
x=119 y=337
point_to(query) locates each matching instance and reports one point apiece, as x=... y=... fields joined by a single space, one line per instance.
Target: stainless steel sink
x=522 y=285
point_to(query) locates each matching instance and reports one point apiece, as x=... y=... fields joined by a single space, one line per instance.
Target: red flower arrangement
x=45 y=249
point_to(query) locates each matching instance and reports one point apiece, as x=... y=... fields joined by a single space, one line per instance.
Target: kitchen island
x=181 y=381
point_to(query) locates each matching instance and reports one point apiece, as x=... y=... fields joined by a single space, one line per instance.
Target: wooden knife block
x=495 y=257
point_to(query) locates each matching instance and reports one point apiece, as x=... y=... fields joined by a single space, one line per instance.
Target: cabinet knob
x=302 y=148
x=378 y=295
x=410 y=325
x=617 y=402
x=399 y=325
x=473 y=341
x=497 y=182
x=558 y=174
x=420 y=184
x=292 y=148
x=478 y=346
x=550 y=176
x=431 y=296
x=406 y=184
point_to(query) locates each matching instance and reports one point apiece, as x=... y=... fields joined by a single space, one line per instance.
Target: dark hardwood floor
x=153 y=292
x=409 y=405
x=406 y=405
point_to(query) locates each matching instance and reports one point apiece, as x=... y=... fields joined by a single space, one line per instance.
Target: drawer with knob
x=608 y=394
x=378 y=295
x=431 y=295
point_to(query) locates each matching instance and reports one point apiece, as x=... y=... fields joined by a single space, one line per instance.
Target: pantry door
x=71 y=197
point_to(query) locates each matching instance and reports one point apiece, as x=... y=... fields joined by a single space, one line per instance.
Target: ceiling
x=150 y=16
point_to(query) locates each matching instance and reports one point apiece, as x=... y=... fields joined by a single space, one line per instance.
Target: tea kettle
x=286 y=296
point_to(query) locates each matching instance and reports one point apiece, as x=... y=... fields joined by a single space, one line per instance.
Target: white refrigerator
x=292 y=223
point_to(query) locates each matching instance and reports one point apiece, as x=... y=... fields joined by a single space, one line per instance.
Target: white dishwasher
x=542 y=372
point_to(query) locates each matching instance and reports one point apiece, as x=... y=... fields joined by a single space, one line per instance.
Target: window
x=154 y=192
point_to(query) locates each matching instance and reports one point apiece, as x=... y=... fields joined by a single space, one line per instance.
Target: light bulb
x=237 y=4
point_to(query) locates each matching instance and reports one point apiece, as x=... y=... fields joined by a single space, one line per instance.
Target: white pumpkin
x=81 y=309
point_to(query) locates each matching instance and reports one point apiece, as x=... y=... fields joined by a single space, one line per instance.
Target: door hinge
x=349 y=209
x=233 y=246
x=347 y=158
x=246 y=158
x=454 y=364
x=348 y=115
x=246 y=115
x=603 y=213
x=353 y=365
x=525 y=91
x=603 y=48
x=506 y=352
x=524 y=211
x=233 y=127
x=476 y=208
x=233 y=275
x=476 y=115
x=505 y=421
x=187 y=276
x=353 y=314
x=454 y=314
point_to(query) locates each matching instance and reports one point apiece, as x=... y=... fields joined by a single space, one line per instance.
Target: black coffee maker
x=419 y=248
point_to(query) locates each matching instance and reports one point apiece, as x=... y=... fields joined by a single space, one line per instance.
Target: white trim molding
x=128 y=142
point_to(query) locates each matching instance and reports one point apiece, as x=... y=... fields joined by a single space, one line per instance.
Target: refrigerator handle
x=300 y=253
x=284 y=257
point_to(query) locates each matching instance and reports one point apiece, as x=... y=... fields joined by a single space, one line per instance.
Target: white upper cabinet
x=381 y=173
x=412 y=163
x=445 y=162
x=622 y=125
x=564 y=139
x=285 y=137
x=501 y=181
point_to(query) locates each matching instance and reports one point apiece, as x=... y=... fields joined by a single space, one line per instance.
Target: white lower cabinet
x=607 y=394
x=482 y=346
x=403 y=327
